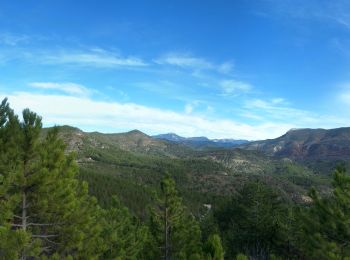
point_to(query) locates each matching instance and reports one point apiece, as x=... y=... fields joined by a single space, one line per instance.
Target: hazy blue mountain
x=170 y=137
x=200 y=142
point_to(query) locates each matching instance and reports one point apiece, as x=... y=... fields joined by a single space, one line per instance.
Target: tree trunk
x=24 y=207
x=24 y=218
x=166 y=233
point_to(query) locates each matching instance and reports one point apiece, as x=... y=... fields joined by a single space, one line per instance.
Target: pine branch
x=50 y=241
x=19 y=217
x=44 y=236
x=16 y=225
x=38 y=224
x=47 y=249
x=46 y=224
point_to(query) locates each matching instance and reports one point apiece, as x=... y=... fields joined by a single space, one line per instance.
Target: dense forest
x=53 y=207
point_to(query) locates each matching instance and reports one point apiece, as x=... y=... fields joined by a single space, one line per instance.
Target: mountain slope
x=200 y=142
x=307 y=144
x=132 y=164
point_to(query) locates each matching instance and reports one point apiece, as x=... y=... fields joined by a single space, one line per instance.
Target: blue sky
x=222 y=69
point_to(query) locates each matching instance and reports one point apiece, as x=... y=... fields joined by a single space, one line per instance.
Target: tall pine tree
x=42 y=204
x=175 y=231
x=327 y=222
x=251 y=222
x=124 y=236
x=213 y=248
x=11 y=242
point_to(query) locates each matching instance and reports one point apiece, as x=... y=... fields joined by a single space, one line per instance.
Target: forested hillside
x=67 y=194
x=139 y=162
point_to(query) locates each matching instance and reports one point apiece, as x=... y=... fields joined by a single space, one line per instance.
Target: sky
x=223 y=69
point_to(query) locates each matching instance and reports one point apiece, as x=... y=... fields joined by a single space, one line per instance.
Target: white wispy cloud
x=280 y=111
x=343 y=96
x=336 y=11
x=279 y=101
x=226 y=67
x=234 y=87
x=94 y=57
x=4 y=58
x=66 y=87
x=13 y=39
x=276 y=109
x=105 y=116
x=185 y=60
x=97 y=58
x=189 y=108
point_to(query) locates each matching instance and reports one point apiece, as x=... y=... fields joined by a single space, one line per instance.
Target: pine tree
x=11 y=243
x=175 y=231
x=213 y=248
x=45 y=206
x=124 y=236
x=241 y=257
x=327 y=222
x=251 y=221
x=290 y=234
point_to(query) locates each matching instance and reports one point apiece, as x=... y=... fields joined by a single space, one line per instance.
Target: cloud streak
x=13 y=39
x=336 y=11
x=105 y=116
x=343 y=95
x=279 y=111
x=184 y=60
x=234 y=87
x=94 y=57
x=188 y=61
x=67 y=87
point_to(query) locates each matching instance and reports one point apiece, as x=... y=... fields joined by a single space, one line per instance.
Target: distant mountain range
x=294 y=162
x=137 y=158
x=307 y=144
x=201 y=142
x=296 y=144
x=319 y=149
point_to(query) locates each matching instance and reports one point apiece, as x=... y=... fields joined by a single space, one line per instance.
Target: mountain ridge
x=296 y=144
x=307 y=144
x=201 y=142
x=138 y=159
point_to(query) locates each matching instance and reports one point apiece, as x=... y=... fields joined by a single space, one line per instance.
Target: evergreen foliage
x=241 y=257
x=175 y=231
x=251 y=221
x=326 y=224
x=213 y=249
x=11 y=242
x=45 y=206
x=123 y=234
x=45 y=210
